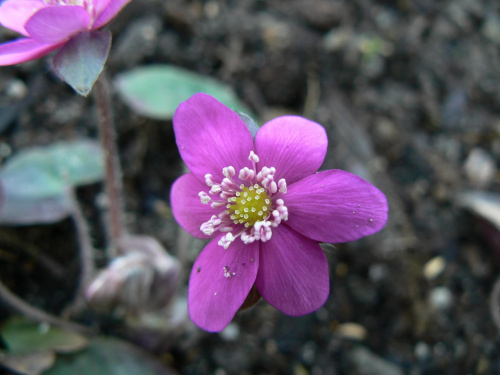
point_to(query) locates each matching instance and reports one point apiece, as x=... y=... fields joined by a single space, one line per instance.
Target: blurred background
x=409 y=93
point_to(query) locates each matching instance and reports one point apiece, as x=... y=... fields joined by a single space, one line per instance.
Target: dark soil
x=409 y=92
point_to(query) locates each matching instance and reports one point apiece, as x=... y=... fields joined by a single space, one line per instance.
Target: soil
x=409 y=93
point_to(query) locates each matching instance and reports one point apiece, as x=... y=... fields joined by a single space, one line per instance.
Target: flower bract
x=265 y=208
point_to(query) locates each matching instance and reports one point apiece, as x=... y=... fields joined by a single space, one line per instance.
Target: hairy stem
x=113 y=176
x=16 y=303
x=86 y=250
x=12 y=243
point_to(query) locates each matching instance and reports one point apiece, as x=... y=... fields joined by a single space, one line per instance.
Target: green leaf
x=250 y=123
x=35 y=182
x=157 y=90
x=23 y=336
x=81 y=60
x=33 y=363
x=109 y=356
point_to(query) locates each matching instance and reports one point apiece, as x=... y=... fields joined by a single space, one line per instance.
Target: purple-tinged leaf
x=157 y=90
x=81 y=60
x=35 y=183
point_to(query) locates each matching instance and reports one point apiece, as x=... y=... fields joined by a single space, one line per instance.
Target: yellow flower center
x=251 y=204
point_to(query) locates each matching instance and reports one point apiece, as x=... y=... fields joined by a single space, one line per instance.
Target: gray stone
x=364 y=362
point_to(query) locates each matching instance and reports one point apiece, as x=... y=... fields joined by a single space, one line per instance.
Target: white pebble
x=440 y=298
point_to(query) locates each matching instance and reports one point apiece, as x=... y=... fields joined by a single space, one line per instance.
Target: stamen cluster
x=82 y=3
x=87 y=4
x=251 y=206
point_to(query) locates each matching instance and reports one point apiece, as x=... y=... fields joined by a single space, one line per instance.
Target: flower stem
x=112 y=179
x=86 y=250
x=37 y=314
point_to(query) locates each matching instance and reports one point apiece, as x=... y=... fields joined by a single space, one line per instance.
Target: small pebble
x=377 y=272
x=363 y=361
x=480 y=167
x=434 y=267
x=308 y=352
x=5 y=150
x=440 y=298
x=231 y=332
x=422 y=351
x=271 y=347
x=16 y=89
x=352 y=331
x=337 y=39
x=491 y=27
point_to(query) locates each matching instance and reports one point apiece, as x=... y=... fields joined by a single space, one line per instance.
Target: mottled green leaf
x=157 y=90
x=109 y=356
x=23 y=336
x=81 y=60
x=35 y=182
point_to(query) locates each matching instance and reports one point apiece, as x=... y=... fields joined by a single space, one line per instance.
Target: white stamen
x=209 y=180
x=228 y=184
x=253 y=187
x=282 y=186
x=253 y=157
x=204 y=197
x=228 y=171
x=217 y=204
x=208 y=227
x=246 y=174
x=226 y=194
x=226 y=240
x=273 y=187
x=216 y=189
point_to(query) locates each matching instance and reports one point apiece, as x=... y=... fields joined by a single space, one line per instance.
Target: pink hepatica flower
x=265 y=207
x=49 y=24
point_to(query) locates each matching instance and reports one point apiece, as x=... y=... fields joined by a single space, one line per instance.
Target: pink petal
x=187 y=208
x=293 y=273
x=57 y=24
x=15 y=13
x=210 y=137
x=22 y=50
x=99 y=7
x=335 y=206
x=109 y=13
x=213 y=298
x=295 y=146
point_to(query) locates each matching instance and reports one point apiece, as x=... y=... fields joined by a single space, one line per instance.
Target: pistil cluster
x=250 y=205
